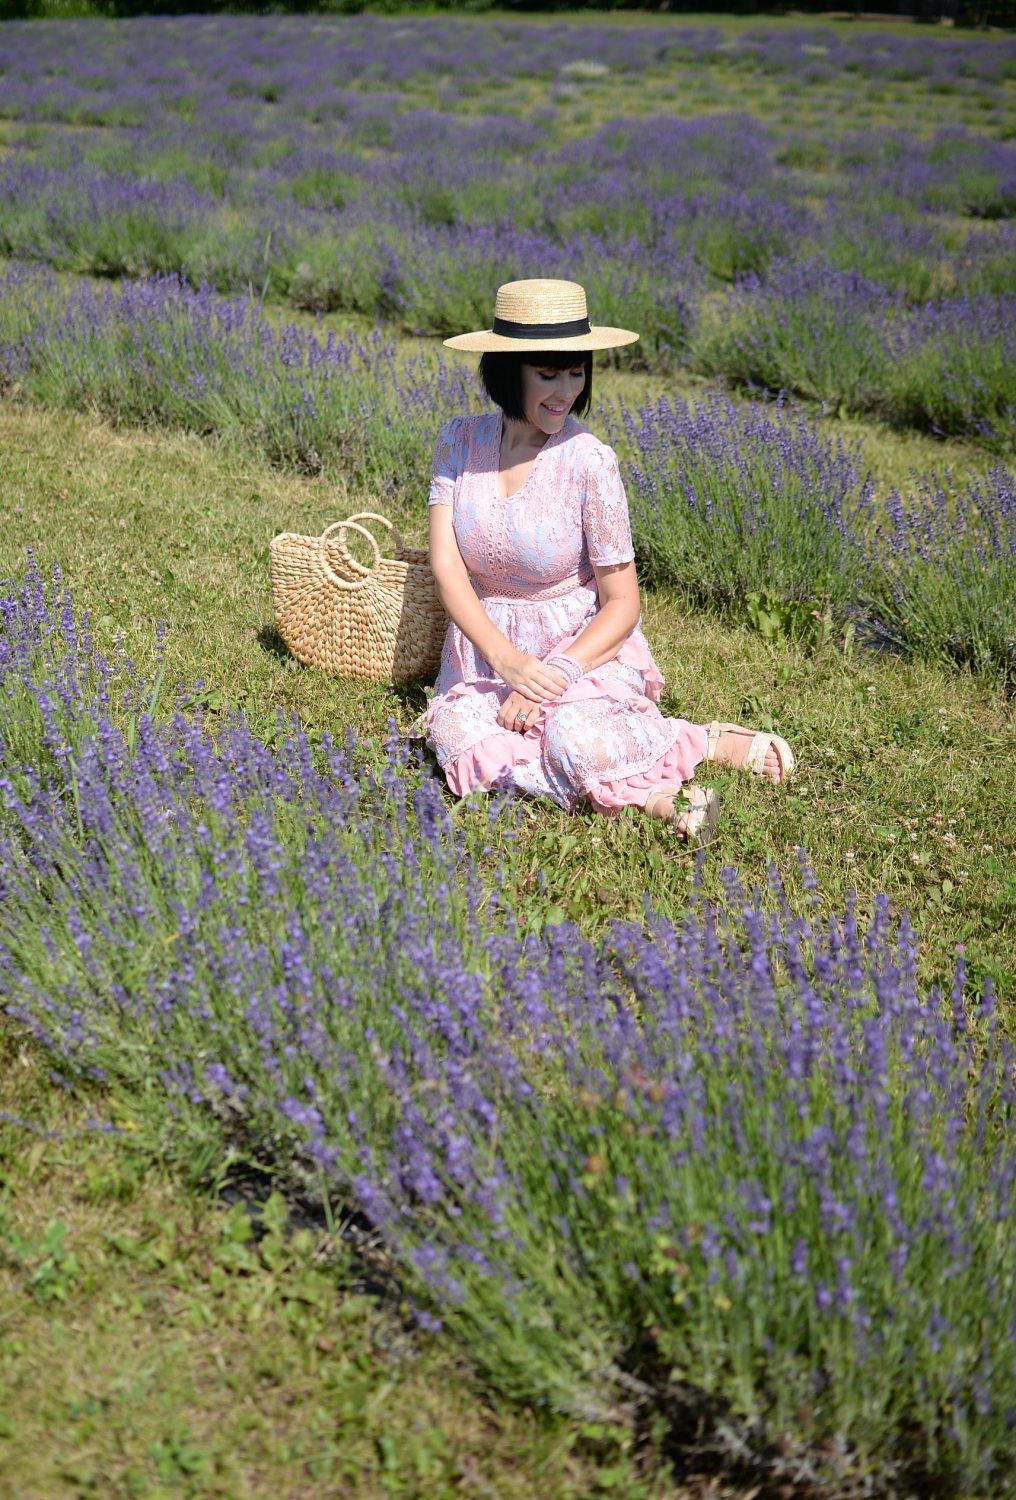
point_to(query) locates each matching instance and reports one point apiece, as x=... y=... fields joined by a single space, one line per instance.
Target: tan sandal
x=701 y=818
x=755 y=760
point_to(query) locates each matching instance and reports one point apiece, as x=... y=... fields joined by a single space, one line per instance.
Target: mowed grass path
x=169 y=1354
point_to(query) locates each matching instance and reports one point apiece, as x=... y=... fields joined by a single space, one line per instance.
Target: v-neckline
x=498 y=436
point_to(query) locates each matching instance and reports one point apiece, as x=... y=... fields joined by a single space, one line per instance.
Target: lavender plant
x=839 y=338
x=57 y=688
x=743 y=1166
x=729 y=502
x=157 y=351
x=952 y=370
x=940 y=576
x=806 y=329
x=82 y=220
x=902 y=254
x=956 y=170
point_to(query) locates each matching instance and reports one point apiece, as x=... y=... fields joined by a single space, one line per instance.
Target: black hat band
x=570 y=330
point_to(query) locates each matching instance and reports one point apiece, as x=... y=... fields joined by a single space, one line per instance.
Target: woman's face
x=548 y=395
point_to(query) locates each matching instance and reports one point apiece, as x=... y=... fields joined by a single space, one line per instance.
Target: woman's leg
x=474 y=750
x=587 y=741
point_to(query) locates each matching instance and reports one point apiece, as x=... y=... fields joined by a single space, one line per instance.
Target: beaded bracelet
x=566 y=664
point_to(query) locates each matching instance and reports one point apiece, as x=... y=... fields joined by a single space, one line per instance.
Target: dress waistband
x=523 y=595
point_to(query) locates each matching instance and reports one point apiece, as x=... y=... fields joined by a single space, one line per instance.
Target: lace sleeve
x=445 y=468
x=605 y=511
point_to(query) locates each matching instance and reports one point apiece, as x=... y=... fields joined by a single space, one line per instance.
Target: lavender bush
x=953 y=367
x=77 y=219
x=990 y=255
x=940 y=573
x=806 y=329
x=955 y=170
x=157 y=351
x=742 y=1168
x=729 y=501
x=839 y=338
x=901 y=254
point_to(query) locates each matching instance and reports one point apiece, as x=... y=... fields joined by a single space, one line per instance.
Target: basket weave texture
x=384 y=622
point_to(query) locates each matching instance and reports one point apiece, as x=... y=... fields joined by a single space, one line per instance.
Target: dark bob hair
x=501 y=374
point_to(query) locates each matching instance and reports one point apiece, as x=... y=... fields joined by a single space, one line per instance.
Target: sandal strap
x=757 y=751
x=760 y=747
x=700 y=819
x=699 y=815
x=661 y=791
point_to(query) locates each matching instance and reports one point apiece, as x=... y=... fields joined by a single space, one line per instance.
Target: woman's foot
x=735 y=748
x=696 y=822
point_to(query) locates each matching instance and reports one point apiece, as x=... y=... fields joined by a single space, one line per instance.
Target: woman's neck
x=522 y=437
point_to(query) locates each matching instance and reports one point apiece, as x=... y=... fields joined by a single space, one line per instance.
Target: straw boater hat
x=532 y=315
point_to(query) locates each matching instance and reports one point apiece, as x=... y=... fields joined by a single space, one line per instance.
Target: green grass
x=152 y=1345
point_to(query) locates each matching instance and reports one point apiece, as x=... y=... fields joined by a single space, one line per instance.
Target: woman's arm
x=608 y=534
x=524 y=674
x=612 y=624
x=614 y=621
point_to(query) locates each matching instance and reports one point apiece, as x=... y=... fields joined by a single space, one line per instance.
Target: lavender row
x=875 y=313
x=385 y=151
x=728 y=498
x=156 y=350
x=748 y=1149
x=756 y=510
x=82 y=220
x=267 y=157
x=941 y=570
x=128 y=70
x=291 y=211
x=729 y=503
x=840 y=338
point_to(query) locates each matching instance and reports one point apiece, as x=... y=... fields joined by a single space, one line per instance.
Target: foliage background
x=958 y=12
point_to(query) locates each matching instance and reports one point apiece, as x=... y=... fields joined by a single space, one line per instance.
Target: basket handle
x=372 y=515
x=341 y=526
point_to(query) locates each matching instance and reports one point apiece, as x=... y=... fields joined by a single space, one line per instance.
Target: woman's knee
x=574 y=739
x=457 y=727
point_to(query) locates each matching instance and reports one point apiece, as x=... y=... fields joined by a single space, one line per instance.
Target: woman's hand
x=527 y=675
x=518 y=712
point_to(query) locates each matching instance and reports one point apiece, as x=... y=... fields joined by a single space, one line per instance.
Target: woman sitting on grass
x=546 y=678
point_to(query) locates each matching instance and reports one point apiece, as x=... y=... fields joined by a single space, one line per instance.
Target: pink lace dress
x=530 y=561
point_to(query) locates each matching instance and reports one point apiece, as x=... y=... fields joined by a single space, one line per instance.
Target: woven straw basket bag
x=384 y=622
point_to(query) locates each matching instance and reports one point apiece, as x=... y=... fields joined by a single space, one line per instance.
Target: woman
x=546 y=678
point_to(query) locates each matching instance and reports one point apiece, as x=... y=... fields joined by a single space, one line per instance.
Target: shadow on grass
x=411 y=696
x=271 y=642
